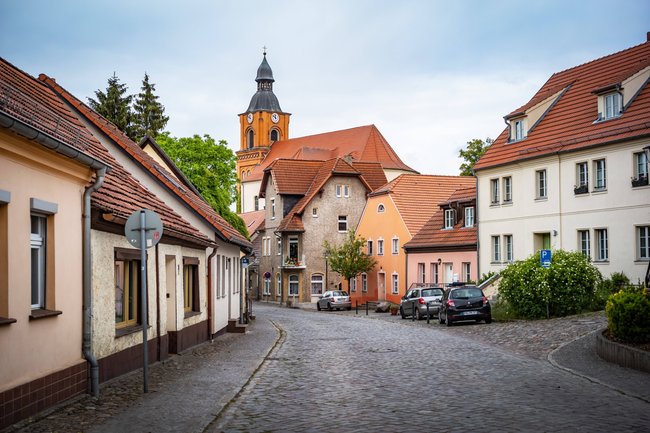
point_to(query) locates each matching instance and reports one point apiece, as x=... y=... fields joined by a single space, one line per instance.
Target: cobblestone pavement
x=338 y=372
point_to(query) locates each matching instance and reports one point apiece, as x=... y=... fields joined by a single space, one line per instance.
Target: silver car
x=416 y=300
x=334 y=299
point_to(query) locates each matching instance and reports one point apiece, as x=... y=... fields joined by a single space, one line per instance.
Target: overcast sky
x=431 y=75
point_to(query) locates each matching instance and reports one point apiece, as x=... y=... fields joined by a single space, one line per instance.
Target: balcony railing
x=294 y=263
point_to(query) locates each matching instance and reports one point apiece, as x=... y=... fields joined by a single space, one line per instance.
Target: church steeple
x=264 y=99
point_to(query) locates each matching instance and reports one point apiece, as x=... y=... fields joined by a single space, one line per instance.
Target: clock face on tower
x=275 y=118
x=250 y=117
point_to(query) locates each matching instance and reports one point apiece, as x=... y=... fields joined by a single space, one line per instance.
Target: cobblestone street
x=339 y=371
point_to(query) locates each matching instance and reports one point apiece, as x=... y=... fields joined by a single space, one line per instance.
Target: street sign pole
x=143 y=300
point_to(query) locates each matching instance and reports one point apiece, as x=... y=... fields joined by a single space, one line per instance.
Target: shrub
x=567 y=287
x=628 y=315
x=607 y=287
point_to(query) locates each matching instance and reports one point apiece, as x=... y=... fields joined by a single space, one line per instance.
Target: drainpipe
x=210 y=277
x=87 y=285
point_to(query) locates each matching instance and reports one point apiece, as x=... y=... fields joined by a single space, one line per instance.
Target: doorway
x=381 y=286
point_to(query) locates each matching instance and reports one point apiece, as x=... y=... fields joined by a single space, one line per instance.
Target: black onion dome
x=264 y=99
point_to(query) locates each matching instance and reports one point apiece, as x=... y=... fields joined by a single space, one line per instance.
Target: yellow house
x=393 y=214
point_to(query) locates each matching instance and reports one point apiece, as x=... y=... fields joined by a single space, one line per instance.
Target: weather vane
x=264 y=48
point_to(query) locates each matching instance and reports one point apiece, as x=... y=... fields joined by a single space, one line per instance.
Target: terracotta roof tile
x=363 y=143
x=417 y=196
x=372 y=172
x=121 y=194
x=186 y=194
x=254 y=220
x=569 y=124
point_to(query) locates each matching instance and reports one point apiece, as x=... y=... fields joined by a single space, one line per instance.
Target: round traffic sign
x=153 y=228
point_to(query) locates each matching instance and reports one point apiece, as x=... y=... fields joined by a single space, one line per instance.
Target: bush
x=567 y=287
x=628 y=315
x=607 y=287
x=502 y=311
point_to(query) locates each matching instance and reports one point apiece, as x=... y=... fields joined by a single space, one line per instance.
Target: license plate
x=468 y=313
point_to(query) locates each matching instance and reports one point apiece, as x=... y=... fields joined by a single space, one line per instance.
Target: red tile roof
x=254 y=220
x=363 y=143
x=569 y=124
x=185 y=194
x=372 y=172
x=417 y=196
x=433 y=235
x=121 y=194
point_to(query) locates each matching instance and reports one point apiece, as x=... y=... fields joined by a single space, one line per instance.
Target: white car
x=334 y=299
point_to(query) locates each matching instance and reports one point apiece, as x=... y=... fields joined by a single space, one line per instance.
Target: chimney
x=648 y=36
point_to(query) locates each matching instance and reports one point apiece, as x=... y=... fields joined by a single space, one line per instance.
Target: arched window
x=250 y=138
x=380 y=208
x=275 y=135
x=317 y=284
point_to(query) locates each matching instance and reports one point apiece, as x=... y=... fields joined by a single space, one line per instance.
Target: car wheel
x=440 y=319
x=448 y=321
x=329 y=306
x=488 y=320
x=401 y=313
x=349 y=308
x=318 y=306
x=418 y=316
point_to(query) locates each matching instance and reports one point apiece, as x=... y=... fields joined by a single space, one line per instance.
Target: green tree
x=115 y=105
x=210 y=166
x=148 y=114
x=472 y=153
x=348 y=259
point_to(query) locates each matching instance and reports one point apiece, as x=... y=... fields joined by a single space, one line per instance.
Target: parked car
x=334 y=299
x=415 y=301
x=461 y=303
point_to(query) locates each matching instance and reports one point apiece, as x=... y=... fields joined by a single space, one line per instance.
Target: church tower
x=262 y=124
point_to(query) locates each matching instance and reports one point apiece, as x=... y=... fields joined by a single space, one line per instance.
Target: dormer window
x=449 y=218
x=520 y=132
x=612 y=105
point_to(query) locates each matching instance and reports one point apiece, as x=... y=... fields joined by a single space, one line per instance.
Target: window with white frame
x=395 y=245
x=293 y=285
x=273 y=208
x=507 y=189
x=520 y=131
x=369 y=247
x=507 y=240
x=434 y=273
x=449 y=219
x=380 y=247
x=540 y=184
x=293 y=248
x=422 y=277
x=339 y=190
x=278 y=285
x=38 y=242
x=467 y=271
x=314 y=212
x=469 y=216
x=343 y=223
x=353 y=284
x=600 y=181
x=582 y=174
x=364 y=282
x=612 y=105
x=602 y=246
x=494 y=191
x=395 y=285
x=279 y=246
x=317 y=284
x=643 y=239
x=346 y=190
x=641 y=166
x=496 y=249
x=381 y=208
x=584 y=242
x=267 y=286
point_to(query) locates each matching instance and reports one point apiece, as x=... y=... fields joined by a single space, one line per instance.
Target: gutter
x=87 y=286
x=211 y=276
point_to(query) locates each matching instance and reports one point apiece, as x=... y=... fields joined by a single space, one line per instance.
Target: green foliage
x=348 y=259
x=115 y=105
x=485 y=277
x=567 y=287
x=210 y=166
x=628 y=315
x=607 y=287
x=472 y=153
x=148 y=114
x=502 y=311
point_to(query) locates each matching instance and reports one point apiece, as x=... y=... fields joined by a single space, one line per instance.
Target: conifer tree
x=149 y=114
x=115 y=105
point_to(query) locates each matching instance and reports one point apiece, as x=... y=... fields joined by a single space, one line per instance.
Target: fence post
x=356 y=306
x=366 y=307
x=427 y=313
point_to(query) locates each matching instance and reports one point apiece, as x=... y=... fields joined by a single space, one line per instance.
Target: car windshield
x=431 y=292
x=466 y=293
x=340 y=293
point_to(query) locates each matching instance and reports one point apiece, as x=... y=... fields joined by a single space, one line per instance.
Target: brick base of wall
x=30 y=398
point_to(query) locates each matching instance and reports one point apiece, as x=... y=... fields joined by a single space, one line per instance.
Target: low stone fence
x=623 y=355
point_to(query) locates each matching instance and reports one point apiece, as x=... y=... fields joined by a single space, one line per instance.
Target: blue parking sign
x=545 y=258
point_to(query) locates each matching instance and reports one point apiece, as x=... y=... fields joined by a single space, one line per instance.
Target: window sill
x=601 y=262
x=7 y=321
x=539 y=199
x=599 y=190
x=128 y=330
x=189 y=314
x=507 y=203
x=495 y=204
x=42 y=313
